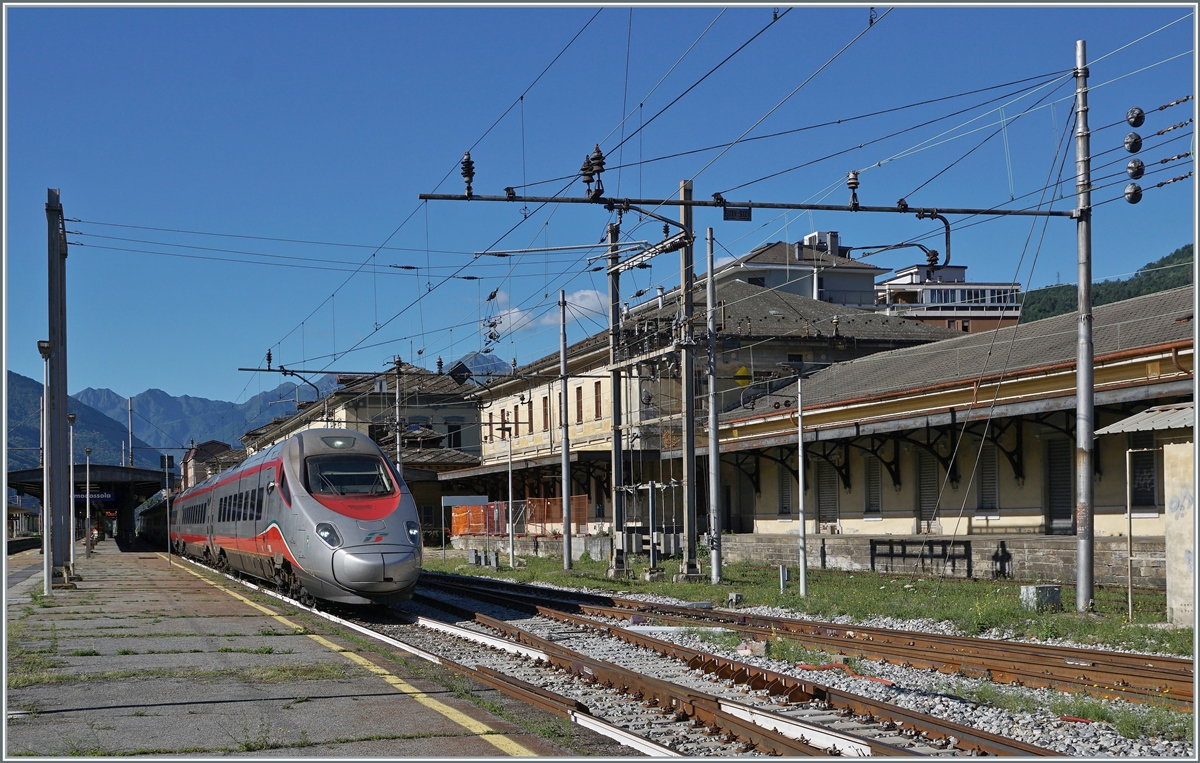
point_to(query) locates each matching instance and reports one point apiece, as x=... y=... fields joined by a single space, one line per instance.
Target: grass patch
x=127 y=651
x=83 y=653
x=317 y=672
x=973 y=606
x=247 y=650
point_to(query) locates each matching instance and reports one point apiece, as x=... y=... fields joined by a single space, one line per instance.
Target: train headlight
x=414 y=531
x=329 y=534
x=338 y=442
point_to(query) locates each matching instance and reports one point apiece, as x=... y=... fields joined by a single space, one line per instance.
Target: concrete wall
x=1179 y=465
x=1021 y=557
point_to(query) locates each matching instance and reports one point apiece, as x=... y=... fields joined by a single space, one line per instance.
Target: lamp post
x=511 y=554
x=87 y=491
x=47 y=519
x=71 y=425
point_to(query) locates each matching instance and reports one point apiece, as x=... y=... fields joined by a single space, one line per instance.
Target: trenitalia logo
x=374 y=538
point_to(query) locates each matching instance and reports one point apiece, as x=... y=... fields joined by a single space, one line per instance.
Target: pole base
x=689 y=577
x=653 y=574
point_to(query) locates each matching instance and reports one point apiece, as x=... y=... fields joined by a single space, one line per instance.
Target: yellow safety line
x=470 y=724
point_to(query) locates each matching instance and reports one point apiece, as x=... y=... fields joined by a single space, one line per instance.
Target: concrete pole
x=653 y=501
x=566 y=449
x=687 y=274
x=618 y=458
x=58 y=447
x=714 y=450
x=399 y=425
x=130 y=401
x=88 y=501
x=801 y=514
x=1084 y=414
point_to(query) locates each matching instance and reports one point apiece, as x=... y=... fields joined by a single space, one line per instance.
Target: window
x=785 y=491
x=596 y=393
x=827 y=492
x=795 y=357
x=1143 y=471
x=579 y=405
x=258 y=504
x=347 y=475
x=453 y=435
x=966 y=325
x=529 y=424
x=545 y=413
x=757 y=281
x=504 y=424
x=491 y=431
x=989 y=484
x=874 y=504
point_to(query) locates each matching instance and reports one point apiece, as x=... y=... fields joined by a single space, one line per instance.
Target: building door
x=1060 y=493
x=927 y=490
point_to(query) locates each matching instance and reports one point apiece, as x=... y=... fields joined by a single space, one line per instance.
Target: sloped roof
x=1145 y=321
x=1156 y=419
x=781 y=252
x=413 y=379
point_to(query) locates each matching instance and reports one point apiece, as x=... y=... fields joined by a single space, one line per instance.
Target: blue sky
x=276 y=126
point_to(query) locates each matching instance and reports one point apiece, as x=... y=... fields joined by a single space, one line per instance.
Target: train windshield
x=347 y=475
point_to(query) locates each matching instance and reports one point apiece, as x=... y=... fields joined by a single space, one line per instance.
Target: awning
x=546 y=461
x=1156 y=419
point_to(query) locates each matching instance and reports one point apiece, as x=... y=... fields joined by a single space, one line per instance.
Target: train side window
x=258 y=505
x=220 y=509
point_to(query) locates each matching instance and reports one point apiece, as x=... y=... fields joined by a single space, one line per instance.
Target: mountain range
x=93 y=429
x=169 y=421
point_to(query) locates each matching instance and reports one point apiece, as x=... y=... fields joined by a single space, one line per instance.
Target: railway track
x=655 y=697
x=1100 y=673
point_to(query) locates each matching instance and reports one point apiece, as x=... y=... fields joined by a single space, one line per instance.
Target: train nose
x=377 y=570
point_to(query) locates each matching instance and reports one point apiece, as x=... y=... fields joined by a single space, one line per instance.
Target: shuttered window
x=827 y=492
x=785 y=491
x=874 y=505
x=989 y=485
x=1143 y=470
x=545 y=413
x=927 y=485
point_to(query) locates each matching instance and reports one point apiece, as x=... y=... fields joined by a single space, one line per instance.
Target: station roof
x=141 y=481
x=1156 y=419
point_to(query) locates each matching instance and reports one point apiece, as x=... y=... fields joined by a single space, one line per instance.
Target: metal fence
x=535 y=516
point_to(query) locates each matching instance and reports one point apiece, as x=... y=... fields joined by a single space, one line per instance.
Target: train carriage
x=323 y=514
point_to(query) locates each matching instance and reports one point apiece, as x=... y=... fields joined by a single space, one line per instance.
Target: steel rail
x=563 y=707
x=776 y=684
x=1111 y=675
x=764 y=730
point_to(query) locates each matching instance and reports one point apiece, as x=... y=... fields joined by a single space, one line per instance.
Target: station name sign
x=737 y=214
x=96 y=495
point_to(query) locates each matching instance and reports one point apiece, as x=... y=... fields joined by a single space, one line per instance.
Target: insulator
x=852 y=180
x=1133 y=142
x=586 y=169
x=1135 y=117
x=468 y=167
x=666 y=230
x=1133 y=193
x=1135 y=169
x=598 y=160
x=268 y=360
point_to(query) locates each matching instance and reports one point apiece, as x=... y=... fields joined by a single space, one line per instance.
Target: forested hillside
x=1171 y=271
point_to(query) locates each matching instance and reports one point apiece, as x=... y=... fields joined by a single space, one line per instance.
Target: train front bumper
x=377 y=569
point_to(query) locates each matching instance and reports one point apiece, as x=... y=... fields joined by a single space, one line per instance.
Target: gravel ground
x=927 y=691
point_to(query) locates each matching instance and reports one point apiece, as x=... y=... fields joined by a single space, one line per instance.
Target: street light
x=507 y=431
x=87 y=491
x=43 y=346
x=71 y=545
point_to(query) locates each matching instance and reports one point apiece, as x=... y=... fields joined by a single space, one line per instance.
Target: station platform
x=142 y=658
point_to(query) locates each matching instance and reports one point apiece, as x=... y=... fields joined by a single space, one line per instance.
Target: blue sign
x=97 y=495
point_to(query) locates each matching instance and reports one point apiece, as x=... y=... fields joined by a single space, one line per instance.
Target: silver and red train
x=323 y=514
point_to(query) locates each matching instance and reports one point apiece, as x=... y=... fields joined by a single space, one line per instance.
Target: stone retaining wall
x=1032 y=559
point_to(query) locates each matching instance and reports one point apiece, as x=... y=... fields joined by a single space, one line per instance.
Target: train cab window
x=347 y=475
x=284 y=490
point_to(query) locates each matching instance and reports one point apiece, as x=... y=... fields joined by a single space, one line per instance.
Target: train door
x=258 y=490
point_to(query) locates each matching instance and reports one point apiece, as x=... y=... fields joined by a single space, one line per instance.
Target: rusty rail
x=1105 y=674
